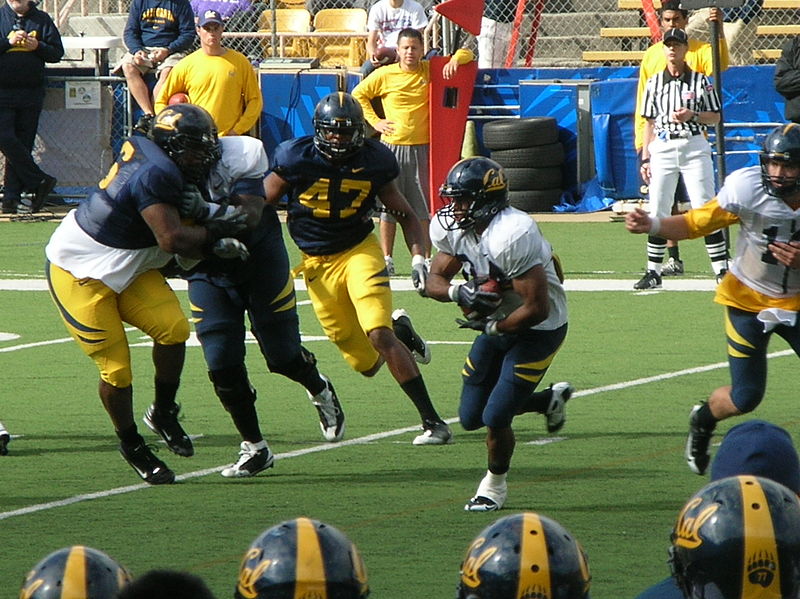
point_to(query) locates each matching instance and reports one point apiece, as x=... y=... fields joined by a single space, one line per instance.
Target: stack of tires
x=529 y=151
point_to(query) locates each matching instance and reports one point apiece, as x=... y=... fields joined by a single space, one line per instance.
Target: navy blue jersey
x=331 y=204
x=142 y=175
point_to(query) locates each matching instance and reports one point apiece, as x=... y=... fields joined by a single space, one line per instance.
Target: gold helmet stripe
x=534 y=571
x=761 y=576
x=310 y=575
x=74 y=583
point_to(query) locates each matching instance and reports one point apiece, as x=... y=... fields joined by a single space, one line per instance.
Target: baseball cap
x=210 y=16
x=758 y=448
x=675 y=35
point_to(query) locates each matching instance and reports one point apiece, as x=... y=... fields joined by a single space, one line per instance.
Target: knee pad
x=299 y=369
x=232 y=386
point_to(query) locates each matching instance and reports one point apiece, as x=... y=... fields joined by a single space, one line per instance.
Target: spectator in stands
x=787 y=78
x=157 y=35
x=28 y=40
x=386 y=19
x=494 y=40
x=5 y=439
x=757 y=448
x=739 y=26
x=166 y=584
x=679 y=104
x=403 y=90
x=699 y=59
x=219 y=79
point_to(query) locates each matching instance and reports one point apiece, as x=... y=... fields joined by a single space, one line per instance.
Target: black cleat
x=697 y=455
x=166 y=426
x=42 y=192
x=148 y=466
x=331 y=415
x=5 y=438
x=650 y=280
x=404 y=331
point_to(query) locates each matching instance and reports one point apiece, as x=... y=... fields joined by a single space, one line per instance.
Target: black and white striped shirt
x=664 y=94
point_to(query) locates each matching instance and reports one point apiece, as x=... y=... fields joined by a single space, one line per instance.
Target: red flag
x=464 y=13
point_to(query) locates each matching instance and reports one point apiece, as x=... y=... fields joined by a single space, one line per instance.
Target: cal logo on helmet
x=76 y=572
x=302 y=559
x=523 y=556
x=738 y=538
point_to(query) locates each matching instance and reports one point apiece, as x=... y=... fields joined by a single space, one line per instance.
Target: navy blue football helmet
x=339 y=129
x=302 y=558
x=781 y=145
x=480 y=181
x=522 y=556
x=188 y=135
x=79 y=572
x=738 y=538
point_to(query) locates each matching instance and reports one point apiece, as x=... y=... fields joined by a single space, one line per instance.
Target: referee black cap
x=675 y=35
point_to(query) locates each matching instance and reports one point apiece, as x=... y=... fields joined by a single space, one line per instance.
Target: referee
x=678 y=106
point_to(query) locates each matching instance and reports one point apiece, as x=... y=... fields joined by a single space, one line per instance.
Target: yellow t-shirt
x=405 y=99
x=226 y=86
x=698 y=58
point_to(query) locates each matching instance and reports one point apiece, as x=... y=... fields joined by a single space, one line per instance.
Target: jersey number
x=318 y=196
x=126 y=153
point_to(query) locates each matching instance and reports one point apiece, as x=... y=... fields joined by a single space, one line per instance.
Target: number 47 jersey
x=331 y=204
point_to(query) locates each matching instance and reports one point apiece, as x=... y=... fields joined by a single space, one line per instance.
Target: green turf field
x=614 y=476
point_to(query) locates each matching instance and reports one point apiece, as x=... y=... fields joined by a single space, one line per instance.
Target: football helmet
x=738 y=538
x=78 y=572
x=522 y=556
x=339 y=129
x=302 y=559
x=481 y=182
x=781 y=145
x=188 y=135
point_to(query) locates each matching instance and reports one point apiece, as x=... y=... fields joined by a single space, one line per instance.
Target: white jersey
x=389 y=21
x=511 y=245
x=243 y=157
x=762 y=219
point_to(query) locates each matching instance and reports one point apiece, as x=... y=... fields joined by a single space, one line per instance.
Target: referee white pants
x=669 y=158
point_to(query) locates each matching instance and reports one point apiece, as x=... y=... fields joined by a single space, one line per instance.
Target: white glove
x=230 y=249
x=419 y=273
x=192 y=204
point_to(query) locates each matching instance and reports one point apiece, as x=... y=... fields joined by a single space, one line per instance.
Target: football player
x=103 y=265
x=522 y=556
x=333 y=180
x=302 y=558
x=522 y=320
x=736 y=538
x=77 y=572
x=221 y=291
x=761 y=292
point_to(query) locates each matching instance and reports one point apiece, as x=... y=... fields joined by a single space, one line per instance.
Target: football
x=385 y=56
x=490 y=285
x=178 y=98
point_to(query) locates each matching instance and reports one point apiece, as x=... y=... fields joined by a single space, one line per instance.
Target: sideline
x=358 y=441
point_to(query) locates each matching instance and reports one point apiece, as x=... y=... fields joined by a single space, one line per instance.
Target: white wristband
x=655 y=225
x=417 y=259
x=453 y=292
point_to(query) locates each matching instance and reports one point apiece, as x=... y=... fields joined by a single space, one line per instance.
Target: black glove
x=230 y=248
x=472 y=297
x=482 y=325
x=225 y=223
x=193 y=204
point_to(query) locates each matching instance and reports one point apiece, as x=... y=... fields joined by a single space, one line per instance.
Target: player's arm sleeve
x=787 y=77
x=253 y=103
x=367 y=89
x=708 y=218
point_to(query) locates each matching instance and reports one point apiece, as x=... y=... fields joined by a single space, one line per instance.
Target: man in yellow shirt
x=699 y=59
x=403 y=90
x=216 y=78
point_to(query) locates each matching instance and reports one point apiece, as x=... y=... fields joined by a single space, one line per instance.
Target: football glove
x=230 y=249
x=482 y=325
x=225 y=222
x=192 y=204
x=470 y=295
x=419 y=273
